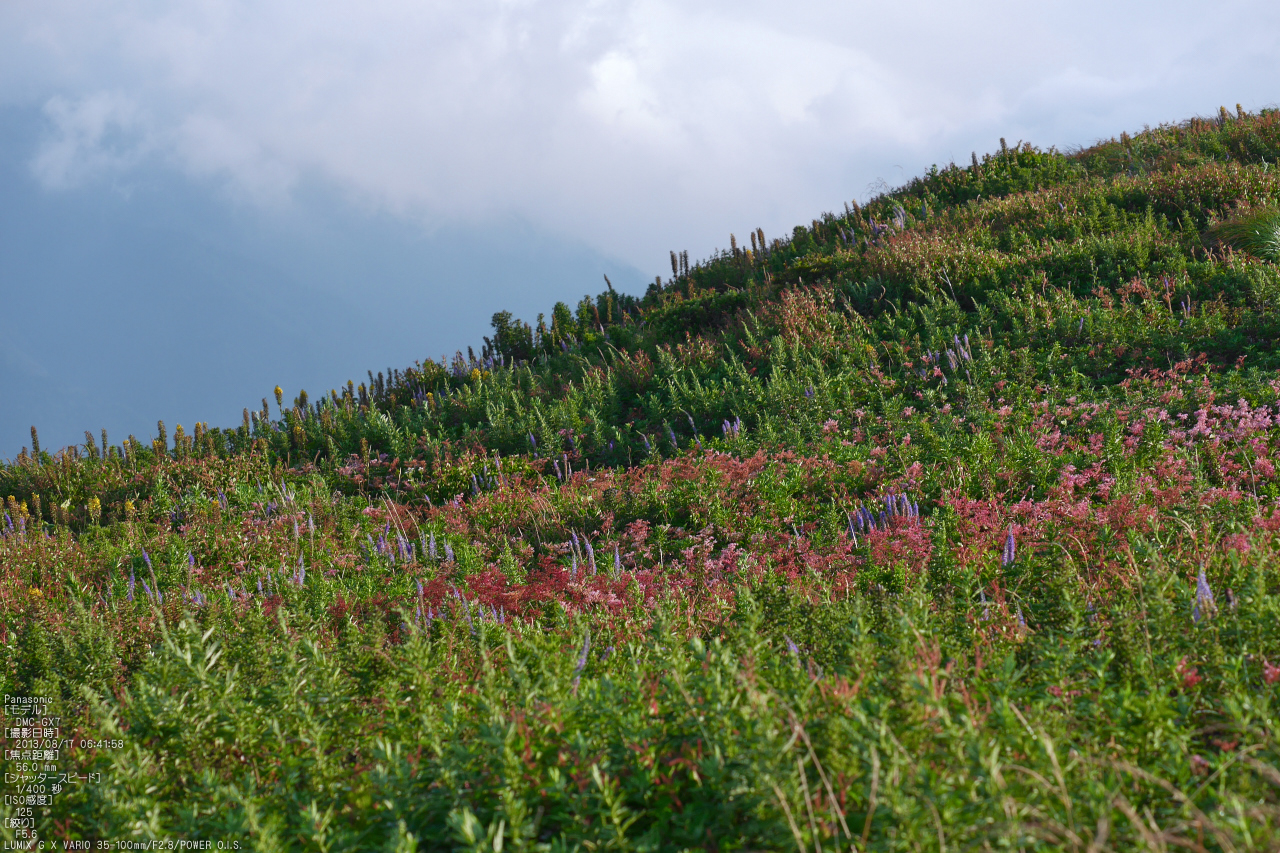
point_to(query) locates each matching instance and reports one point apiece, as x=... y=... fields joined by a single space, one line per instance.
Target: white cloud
x=90 y=135
x=634 y=124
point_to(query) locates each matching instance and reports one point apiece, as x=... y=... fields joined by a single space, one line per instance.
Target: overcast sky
x=200 y=200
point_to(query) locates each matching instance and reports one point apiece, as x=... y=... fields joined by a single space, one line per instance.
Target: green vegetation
x=947 y=522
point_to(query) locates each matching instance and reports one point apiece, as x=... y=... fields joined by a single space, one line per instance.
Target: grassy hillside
x=949 y=522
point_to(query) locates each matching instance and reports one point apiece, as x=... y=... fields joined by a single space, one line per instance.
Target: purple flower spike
x=146 y=558
x=582 y=661
x=1010 y=551
x=1205 y=605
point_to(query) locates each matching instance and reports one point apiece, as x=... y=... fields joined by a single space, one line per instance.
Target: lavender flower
x=617 y=562
x=1010 y=551
x=582 y=661
x=1205 y=605
x=791 y=646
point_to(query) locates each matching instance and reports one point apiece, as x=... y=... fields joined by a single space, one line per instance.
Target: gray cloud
x=635 y=125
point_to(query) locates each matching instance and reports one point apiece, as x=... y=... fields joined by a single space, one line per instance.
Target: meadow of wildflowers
x=949 y=521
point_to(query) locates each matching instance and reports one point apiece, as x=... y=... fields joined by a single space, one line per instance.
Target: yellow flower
x=36 y=593
x=475 y=374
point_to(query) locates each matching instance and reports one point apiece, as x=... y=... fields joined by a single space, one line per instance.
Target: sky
x=201 y=200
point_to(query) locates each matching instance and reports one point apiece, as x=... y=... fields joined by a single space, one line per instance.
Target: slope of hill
x=949 y=520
